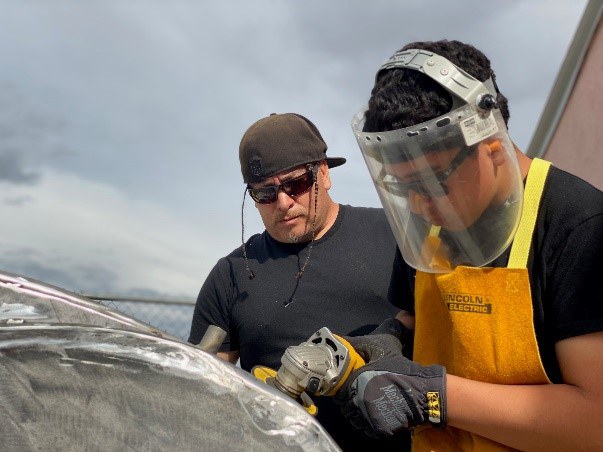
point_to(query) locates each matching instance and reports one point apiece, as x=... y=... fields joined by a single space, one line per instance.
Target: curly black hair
x=404 y=97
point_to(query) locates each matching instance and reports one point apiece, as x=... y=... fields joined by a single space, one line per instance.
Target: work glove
x=391 y=393
x=394 y=328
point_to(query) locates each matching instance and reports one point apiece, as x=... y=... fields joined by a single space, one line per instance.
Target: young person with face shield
x=508 y=251
x=318 y=263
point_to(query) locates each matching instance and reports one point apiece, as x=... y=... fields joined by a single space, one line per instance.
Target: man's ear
x=496 y=152
x=325 y=175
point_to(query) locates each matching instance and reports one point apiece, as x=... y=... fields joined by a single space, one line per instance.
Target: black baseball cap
x=280 y=142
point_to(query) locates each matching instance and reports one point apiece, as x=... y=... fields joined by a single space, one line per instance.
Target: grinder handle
x=356 y=362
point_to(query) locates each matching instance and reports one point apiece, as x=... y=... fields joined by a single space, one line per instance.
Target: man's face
x=464 y=194
x=289 y=218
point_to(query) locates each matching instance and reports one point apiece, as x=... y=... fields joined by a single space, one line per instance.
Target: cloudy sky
x=120 y=120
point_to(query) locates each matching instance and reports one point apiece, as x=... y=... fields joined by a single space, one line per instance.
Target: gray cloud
x=89 y=279
x=30 y=136
x=12 y=169
x=17 y=200
x=28 y=262
x=158 y=95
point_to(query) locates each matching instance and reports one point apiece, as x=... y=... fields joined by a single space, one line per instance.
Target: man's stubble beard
x=305 y=237
x=309 y=215
x=308 y=233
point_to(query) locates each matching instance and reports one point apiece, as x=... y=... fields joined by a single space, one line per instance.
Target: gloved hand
x=391 y=393
x=395 y=328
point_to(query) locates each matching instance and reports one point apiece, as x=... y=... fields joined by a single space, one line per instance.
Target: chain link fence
x=172 y=316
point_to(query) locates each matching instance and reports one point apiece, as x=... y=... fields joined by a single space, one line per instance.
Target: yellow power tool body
x=318 y=366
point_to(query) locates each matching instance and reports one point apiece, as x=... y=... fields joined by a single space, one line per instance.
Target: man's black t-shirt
x=354 y=278
x=565 y=264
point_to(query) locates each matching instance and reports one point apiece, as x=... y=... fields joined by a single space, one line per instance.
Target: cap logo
x=255 y=165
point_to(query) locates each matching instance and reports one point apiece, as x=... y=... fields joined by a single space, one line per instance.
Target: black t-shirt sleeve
x=576 y=282
x=212 y=307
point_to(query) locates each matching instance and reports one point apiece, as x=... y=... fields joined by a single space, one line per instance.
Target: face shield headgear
x=451 y=186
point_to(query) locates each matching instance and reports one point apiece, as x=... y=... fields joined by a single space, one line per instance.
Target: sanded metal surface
x=107 y=382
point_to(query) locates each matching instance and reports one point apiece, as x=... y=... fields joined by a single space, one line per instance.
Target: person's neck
x=524 y=163
x=332 y=212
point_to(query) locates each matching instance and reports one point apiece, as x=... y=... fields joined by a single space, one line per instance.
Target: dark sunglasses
x=432 y=186
x=292 y=187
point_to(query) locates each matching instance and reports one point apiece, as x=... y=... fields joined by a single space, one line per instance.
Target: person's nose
x=418 y=202
x=283 y=201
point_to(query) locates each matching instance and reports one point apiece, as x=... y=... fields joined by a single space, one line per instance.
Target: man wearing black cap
x=317 y=263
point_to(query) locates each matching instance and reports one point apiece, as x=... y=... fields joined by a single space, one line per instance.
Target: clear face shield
x=451 y=187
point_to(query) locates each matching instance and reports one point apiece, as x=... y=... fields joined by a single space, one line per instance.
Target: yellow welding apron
x=478 y=323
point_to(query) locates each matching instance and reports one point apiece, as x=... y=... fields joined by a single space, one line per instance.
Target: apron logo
x=461 y=302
